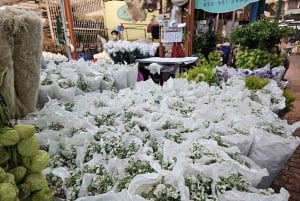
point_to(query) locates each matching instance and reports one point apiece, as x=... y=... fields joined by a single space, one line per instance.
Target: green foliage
x=214 y=59
x=289 y=99
x=19 y=173
x=8 y=136
x=203 y=73
x=17 y=141
x=25 y=131
x=260 y=34
x=28 y=146
x=8 y=192
x=252 y=59
x=36 y=181
x=37 y=162
x=4 y=155
x=205 y=43
x=45 y=194
x=254 y=82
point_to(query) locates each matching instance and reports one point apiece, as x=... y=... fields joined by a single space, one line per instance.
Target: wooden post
x=69 y=20
x=161 y=47
x=189 y=13
x=191 y=26
x=49 y=20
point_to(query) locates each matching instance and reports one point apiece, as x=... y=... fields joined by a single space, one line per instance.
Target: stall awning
x=221 y=6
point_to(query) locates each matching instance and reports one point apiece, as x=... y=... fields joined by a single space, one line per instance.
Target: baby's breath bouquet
x=133 y=168
x=200 y=187
x=234 y=181
x=200 y=154
x=161 y=191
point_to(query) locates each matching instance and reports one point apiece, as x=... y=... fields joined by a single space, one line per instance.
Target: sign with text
x=171 y=35
x=221 y=6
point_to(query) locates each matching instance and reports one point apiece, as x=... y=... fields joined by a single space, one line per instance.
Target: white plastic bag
x=109 y=196
x=120 y=77
x=246 y=196
x=64 y=94
x=94 y=82
x=107 y=82
x=278 y=72
x=132 y=74
x=45 y=93
x=271 y=151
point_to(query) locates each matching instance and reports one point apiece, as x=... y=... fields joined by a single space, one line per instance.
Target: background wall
x=134 y=31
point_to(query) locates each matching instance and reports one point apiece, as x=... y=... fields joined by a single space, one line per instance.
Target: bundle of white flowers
x=170 y=134
x=123 y=51
x=65 y=80
x=49 y=56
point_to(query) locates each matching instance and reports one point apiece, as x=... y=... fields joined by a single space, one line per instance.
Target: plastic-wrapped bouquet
x=200 y=187
x=133 y=168
x=128 y=52
x=161 y=191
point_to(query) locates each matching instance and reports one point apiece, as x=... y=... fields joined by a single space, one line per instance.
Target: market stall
x=93 y=132
x=164 y=67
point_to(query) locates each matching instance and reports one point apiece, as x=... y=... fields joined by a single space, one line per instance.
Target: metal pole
x=69 y=19
x=63 y=16
x=70 y=26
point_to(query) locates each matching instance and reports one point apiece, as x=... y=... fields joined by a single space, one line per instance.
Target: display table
x=166 y=67
x=168 y=60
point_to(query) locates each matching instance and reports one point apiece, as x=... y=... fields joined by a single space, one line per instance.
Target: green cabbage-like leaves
x=19 y=173
x=2 y=170
x=45 y=194
x=8 y=136
x=8 y=192
x=4 y=155
x=36 y=181
x=25 y=131
x=37 y=162
x=7 y=178
x=28 y=146
x=24 y=191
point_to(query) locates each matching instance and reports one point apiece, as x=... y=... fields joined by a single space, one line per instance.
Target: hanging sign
x=221 y=6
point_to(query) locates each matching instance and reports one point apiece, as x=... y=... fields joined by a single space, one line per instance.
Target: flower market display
x=123 y=51
x=180 y=141
x=49 y=56
x=67 y=79
x=257 y=44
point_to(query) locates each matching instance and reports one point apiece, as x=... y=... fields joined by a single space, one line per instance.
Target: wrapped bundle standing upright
x=20 y=52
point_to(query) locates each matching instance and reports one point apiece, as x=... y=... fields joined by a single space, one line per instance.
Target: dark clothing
x=44 y=63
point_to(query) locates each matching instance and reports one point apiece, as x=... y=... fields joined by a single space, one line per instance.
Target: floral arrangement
x=127 y=52
x=234 y=181
x=49 y=56
x=65 y=80
x=120 y=138
x=200 y=187
x=161 y=191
